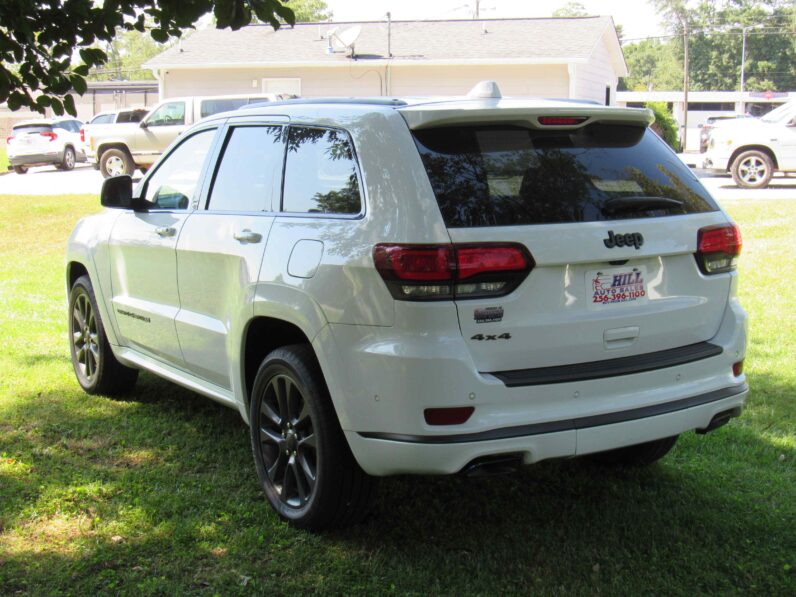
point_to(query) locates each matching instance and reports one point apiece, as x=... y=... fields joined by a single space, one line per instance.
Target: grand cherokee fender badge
x=631 y=239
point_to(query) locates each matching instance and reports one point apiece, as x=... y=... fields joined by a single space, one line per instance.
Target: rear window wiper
x=639 y=203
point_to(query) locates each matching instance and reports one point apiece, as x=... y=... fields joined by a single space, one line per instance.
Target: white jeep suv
x=384 y=287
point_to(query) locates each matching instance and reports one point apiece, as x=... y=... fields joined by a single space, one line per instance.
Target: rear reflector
x=445 y=272
x=718 y=248
x=561 y=120
x=737 y=369
x=448 y=416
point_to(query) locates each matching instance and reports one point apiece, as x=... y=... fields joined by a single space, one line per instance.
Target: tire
x=68 y=161
x=115 y=162
x=21 y=169
x=303 y=461
x=752 y=169
x=96 y=367
x=638 y=455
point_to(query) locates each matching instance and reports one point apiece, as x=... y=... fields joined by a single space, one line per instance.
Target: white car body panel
x=195 y=293
x=731 y=137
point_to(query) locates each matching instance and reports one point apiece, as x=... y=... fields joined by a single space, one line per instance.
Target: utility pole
x=389 y=34
x=684 y=136
x=743 y=62
x=477 y=13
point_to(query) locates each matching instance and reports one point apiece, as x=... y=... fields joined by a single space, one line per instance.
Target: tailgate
x=611 y=218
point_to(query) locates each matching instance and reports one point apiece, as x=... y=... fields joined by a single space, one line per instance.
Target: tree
x=38 y=39
x=309 y=11
x=653 y=65
x=716 y=38
x=571 y=9
x=126 y=53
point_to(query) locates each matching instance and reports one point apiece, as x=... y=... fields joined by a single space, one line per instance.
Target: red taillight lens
x=718 y=248
x=737 y=369
x=445 y=272
x=52 y=136
x=82 y=135
x=561 y=120
x=448 y=416
x=8 y=139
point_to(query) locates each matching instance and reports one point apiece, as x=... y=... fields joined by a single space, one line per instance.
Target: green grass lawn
x=3 y=157
x=156 y=494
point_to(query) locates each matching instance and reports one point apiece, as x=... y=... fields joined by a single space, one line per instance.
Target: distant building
x=564 y=58
x=704 y=104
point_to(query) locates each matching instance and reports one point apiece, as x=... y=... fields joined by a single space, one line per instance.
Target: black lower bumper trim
x=566 y=424
x=609 y=368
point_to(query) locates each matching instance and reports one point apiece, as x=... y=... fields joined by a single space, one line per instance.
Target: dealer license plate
x=610 y=287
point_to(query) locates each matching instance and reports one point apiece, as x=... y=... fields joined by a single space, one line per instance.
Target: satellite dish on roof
x=346 y=38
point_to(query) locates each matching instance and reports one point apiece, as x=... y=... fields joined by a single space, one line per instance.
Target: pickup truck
x=753 y=149
x=121 y=148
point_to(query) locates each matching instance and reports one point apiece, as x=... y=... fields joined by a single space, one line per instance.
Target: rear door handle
x=247 y=236
x=166 y=231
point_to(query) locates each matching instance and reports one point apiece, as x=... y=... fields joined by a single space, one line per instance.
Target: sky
x=636 y=16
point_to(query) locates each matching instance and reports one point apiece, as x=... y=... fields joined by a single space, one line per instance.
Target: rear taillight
x=718 y=248
x=445 y=272
x=49 y=134
x=561 y=120
x=737 y=369
x=8 y=139
x=82 y=135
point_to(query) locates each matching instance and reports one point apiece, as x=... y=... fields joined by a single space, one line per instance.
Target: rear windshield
x=32 y=128
x=511 y=175
x=133 y=116
x=214 y=106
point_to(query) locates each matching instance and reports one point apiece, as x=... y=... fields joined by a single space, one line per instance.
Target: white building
x=564 y=58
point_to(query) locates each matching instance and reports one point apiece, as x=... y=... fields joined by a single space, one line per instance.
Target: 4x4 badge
x=631 y=239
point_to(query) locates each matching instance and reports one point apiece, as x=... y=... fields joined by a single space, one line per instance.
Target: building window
x=290 y=86
x=711 y=107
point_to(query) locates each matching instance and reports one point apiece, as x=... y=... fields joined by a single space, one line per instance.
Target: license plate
x=610 y=287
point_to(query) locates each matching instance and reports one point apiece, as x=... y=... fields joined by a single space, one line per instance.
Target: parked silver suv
x=384 y=287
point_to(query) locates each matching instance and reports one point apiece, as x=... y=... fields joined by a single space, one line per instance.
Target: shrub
x=665 y=124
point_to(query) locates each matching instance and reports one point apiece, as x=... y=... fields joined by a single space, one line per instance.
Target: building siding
x=355 y=80
x=591 y=79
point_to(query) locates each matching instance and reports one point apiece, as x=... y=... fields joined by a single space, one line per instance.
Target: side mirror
x=117 y=192
x=143 y=124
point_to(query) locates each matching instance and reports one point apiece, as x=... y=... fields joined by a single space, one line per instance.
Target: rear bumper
x=392 y=375
x=391 y=454
x=36 y=159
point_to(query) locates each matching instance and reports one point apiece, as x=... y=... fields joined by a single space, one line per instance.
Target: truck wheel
x=305 y=466
x=752 y=169
x=68 y=161
x=96 y=367
x=115 y=162
x=638 y=455
x=20 y=169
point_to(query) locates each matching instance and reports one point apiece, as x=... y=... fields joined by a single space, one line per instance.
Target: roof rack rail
x=366 y=101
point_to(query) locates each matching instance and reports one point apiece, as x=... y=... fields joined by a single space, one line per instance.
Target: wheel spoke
x=302 y=484
x=308 y=441
x=274 y=470
x=292 y=396
x=281 y=403
x=269 y=436
x=307 y=469
x=304 y=416
x=269 y=413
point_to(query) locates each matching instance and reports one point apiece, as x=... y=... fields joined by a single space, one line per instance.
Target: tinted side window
x=132 y=116
x=214 y=106
x=172 y=113
x=320 y=173
x=508 y=176
x=173 y=184
x=250 y=166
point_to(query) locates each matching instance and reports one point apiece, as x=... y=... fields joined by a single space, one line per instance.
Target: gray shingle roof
x=504 y=40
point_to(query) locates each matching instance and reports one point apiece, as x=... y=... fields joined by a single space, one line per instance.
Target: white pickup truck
x=753 y=149
x=121 y=148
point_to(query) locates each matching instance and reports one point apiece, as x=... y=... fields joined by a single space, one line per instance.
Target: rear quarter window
x=511 y=175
